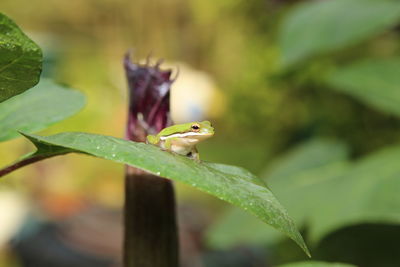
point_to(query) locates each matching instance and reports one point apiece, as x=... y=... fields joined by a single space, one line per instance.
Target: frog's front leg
x=168 y=144
x=194 y=154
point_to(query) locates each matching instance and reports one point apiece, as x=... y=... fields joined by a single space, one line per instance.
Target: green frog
x=183 y=138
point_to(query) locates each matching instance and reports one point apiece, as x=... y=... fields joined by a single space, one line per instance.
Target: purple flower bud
x=149 y=91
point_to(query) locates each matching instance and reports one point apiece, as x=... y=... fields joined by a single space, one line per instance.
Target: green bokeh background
x=272 y=104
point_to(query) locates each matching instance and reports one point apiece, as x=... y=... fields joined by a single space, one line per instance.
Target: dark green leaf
x=375 y=82
x=38 y=108
x=228 y=183
x=20 y=60
x=319 y=27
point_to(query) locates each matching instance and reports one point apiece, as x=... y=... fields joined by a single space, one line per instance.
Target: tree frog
x=183 y=138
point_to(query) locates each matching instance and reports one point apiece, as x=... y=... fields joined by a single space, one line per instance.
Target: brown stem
x=150 y=223
x=24 y=162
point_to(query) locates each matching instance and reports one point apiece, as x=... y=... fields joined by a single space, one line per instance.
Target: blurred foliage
x=316 y=264
x=43 y=105
x=370 y=244
x=338 y=80
x=317 y=28
x=347 y=193
x=325 y=192
x=315 y=157
x=373 y=81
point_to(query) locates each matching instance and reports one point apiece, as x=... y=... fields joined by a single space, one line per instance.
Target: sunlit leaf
x=375 y=82
x=20 y=60
x=34 y=110
x=316 y=264
x=318 y=27
x=228 y=183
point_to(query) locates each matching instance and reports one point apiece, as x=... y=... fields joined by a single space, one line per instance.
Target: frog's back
x=178 y=128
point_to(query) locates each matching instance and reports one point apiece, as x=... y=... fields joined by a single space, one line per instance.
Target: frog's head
x=200 y=130
x=191 y=133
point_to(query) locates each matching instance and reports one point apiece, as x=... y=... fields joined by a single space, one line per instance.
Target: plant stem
x=150 y=237
x=21 y=163
x=150 y=223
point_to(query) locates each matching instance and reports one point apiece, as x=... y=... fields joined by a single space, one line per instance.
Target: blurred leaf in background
x=316 y=264
x=324 y=193
x=318 y=27
x=43 y=105
x=315 y=157
x=375 y=82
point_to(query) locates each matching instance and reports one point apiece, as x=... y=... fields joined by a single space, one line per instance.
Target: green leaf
x=316 y=264
x=20 y=60
x=319 y=154
x=229 y=183
x=375 y=82
x=34 y=110
x=331 y=196
x=318 y=27
x=368 y=192
x=344 y=193
x=307 y=156
x=224 y=234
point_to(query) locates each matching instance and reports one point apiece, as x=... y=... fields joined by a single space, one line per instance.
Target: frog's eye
x=195 y=127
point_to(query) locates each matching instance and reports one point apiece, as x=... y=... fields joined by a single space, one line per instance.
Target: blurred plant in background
x=308 y=96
